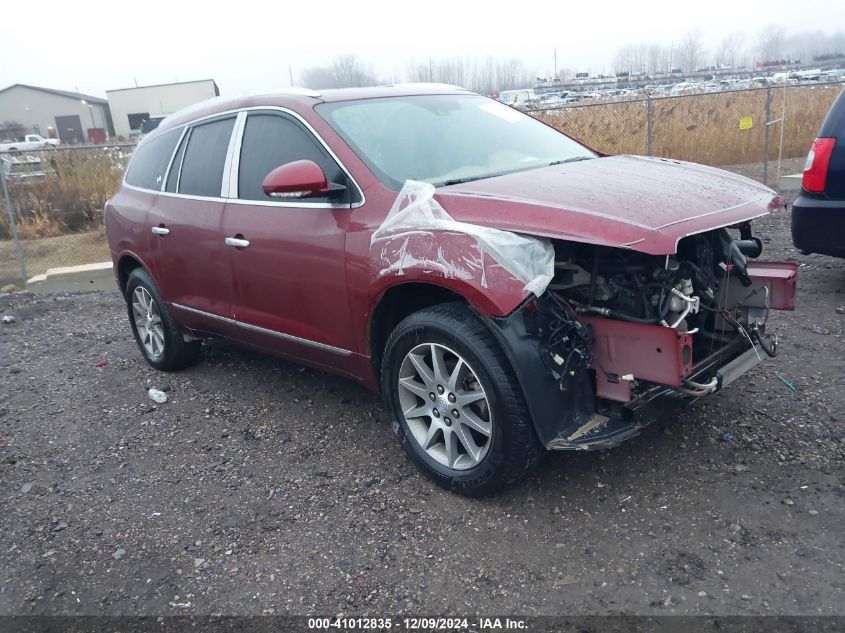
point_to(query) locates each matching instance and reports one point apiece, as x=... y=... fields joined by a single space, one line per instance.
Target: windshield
x=446 y=139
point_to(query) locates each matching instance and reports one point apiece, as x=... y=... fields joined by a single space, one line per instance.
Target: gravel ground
x=261 y=487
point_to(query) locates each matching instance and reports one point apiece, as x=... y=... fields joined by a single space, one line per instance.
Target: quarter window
x=150 y=160
x=205 y=157
x=271 y=140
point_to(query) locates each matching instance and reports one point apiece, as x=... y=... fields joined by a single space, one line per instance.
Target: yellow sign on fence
x=746 y=123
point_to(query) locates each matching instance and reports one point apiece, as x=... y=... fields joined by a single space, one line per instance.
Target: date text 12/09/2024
x=416 y=624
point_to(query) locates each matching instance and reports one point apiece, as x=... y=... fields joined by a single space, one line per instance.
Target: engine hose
x=614 y=314
x=770 y=349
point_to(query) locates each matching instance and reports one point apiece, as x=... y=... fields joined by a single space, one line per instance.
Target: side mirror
x=300 y=179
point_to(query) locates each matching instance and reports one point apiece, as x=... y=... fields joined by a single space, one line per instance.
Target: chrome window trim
x=295 y=339
x=261 y=330
x=272 y=203
x=171 y=194
x=230 y=182
x=188 y=132
x=237 y=132
x=170 y=162
x=299 y=205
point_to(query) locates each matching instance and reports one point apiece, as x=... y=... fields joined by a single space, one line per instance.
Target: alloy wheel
x=445 y=406
x=148 y=322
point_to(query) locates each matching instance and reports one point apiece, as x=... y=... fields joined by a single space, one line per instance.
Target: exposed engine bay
x=679 y=291
x=618 y=327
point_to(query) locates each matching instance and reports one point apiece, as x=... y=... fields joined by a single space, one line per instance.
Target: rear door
x=290 y=280
x=191 y=265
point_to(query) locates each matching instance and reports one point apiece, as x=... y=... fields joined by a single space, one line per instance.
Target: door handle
x=237 y=242
x=160 y=230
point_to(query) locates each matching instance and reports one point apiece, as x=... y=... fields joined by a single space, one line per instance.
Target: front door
x=191 y=264
x=288 y=263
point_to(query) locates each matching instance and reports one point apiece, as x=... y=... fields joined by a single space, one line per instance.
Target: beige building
x=51 y=113
x=137 y=110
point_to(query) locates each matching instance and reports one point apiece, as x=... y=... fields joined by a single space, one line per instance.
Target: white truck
x=29 y=142
x=517 y=97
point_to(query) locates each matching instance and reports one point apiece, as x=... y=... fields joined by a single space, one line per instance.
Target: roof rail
x=305 y=92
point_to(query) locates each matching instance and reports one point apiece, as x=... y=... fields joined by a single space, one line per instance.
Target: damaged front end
x=625 y=336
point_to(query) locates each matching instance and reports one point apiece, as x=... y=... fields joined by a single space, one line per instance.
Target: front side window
x=205 y=158
x=445 y=139
x=271 y=140
x=151 y=159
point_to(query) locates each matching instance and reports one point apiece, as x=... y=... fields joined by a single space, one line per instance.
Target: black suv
x=818 y=215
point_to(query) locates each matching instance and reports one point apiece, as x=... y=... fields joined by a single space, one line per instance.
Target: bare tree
x=729 y=49
x=351 y=73
x=624 y=60
x=318 y=77
x=11 y=130
x=485 y=76
x=771 y=43
x=691 y=51
x=657 y=59
x=344 y=72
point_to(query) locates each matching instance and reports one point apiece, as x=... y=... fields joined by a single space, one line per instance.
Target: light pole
x=91 y=110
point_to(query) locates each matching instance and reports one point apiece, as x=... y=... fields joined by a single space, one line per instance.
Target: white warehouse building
x=140 y=109
x=69 y=116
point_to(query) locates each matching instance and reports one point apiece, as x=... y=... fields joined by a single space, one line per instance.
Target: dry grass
x=702 y=128
x=60 y=216
x=52 y=252
x=70 y=197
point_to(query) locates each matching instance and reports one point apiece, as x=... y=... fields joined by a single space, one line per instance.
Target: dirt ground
x=261 y=487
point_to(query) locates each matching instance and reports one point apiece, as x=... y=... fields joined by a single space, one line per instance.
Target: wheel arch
x=397 y=302
x=416 y=291
x=125 y=265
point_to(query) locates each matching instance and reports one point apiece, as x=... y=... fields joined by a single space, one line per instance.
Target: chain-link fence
x=747 y=130
x=53 y=207
x=54 y=210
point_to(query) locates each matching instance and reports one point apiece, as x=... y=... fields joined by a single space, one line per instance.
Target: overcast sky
x=247 y=46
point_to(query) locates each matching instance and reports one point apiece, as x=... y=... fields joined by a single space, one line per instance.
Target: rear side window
x=271 y=140
x=205 y=157
x=150 y=160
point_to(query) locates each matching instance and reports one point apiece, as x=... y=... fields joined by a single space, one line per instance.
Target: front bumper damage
x=637 y=373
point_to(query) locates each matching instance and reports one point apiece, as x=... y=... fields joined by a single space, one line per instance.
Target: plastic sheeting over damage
x=419 y=234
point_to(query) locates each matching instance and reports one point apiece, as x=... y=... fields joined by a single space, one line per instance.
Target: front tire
x=157 y=334
x=455 y=402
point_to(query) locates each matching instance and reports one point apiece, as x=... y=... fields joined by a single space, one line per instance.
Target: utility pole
x=555 y=75
x=290 y=72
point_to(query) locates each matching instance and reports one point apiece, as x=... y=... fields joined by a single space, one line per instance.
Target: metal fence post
x=649 y=110
x=766 y=120
x=13 y=224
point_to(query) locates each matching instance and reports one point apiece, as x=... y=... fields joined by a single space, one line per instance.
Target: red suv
x=507 y=289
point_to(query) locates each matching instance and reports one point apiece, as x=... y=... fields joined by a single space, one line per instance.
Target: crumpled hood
x=646 y=204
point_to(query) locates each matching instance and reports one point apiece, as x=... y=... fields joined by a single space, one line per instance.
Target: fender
x=448 y=259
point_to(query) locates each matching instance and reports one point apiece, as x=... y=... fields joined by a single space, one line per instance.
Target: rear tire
x=465 y=425
x=156 y=332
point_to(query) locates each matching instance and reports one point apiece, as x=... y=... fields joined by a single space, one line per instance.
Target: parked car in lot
x=506 y=289
x=29 y=142
x=818 y=215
